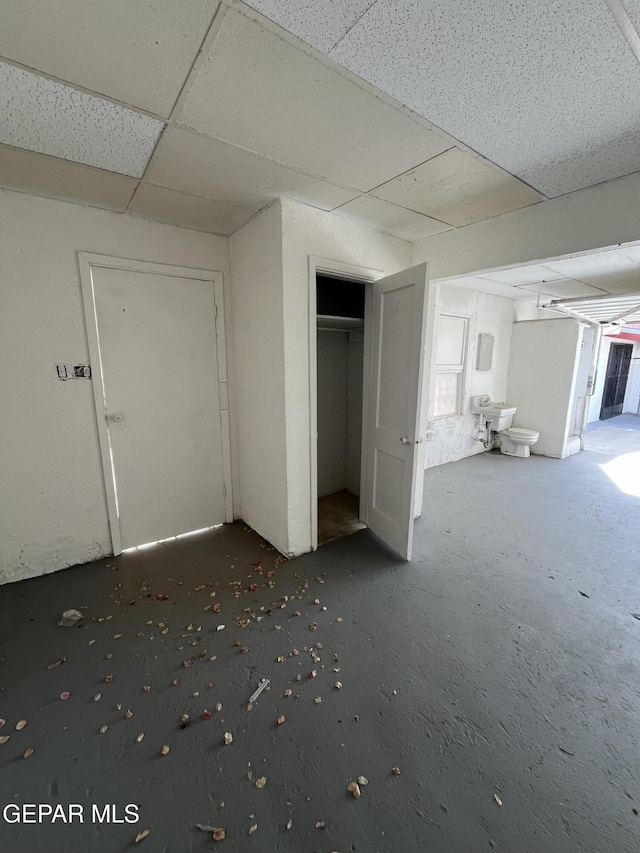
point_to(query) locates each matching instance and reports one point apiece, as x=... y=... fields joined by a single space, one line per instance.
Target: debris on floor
x=70 y=618
x=189 y=639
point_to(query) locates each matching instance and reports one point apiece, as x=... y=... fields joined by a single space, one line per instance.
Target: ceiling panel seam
x=206 y=45
x=78 y=88
x=625 y=25
x=344 y=35
x=281 y=163
x=394 y=204
x=296 y=42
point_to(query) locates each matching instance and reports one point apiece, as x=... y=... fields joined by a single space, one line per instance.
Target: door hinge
x=224 y=489
x=215 y=311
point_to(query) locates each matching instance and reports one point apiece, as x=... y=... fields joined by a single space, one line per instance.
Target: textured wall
x=453 y=437
x=52 y=503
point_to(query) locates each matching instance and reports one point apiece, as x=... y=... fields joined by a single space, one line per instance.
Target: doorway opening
x=615 y=383
x=340 y=323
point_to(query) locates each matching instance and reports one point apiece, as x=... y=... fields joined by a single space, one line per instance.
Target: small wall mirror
x=484 y=359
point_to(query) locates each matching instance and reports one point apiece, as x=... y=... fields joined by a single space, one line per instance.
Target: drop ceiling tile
x=472 y=282
x=457 y=188
x=261 y=93
x=550 y=91
x=47 y=176
x=139 y=53
x=496 y=288
x=564 y=289
x=388 y=217
x=203 y=166
x=611 y=271
x=321 y=23
x=322 y=194
x=631 y=252
x=190 y=211
x=633 y=10
x=531 y=274
x=44 y=116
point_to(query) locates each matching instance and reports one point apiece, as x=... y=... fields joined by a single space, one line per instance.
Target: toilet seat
x=521 y=432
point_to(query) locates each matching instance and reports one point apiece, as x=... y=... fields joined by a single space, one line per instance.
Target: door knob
x=115 y=416
x=405 y=440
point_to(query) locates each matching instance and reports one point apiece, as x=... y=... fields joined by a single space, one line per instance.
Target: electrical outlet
x=82 y=371
x=64 y=371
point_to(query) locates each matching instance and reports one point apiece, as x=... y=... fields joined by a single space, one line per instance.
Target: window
x=450 y=357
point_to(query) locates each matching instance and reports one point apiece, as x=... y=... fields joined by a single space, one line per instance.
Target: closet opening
x=341 y=337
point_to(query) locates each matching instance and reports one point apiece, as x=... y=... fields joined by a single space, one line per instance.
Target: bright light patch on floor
x=624 y=472
x=171 y=538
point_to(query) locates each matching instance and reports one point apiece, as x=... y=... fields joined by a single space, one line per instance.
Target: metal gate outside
x=615 y=383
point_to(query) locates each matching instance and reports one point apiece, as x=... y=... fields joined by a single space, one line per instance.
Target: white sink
x=483 y=405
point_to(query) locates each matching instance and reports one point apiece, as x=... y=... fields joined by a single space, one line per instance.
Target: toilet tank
x=501 y=423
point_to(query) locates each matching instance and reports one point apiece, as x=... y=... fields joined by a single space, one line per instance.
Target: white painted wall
x=339 y=411
x=52 y=503
x=453 y=437
x=580 y=400
x=309 y=231
x=541 y=380
x=595 y=218
x=333 y=348
x=259 y=335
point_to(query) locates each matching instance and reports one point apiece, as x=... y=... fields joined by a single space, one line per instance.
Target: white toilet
x=513 y=441
x=516 y=441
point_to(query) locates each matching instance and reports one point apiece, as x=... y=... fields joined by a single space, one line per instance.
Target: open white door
x=397 y=357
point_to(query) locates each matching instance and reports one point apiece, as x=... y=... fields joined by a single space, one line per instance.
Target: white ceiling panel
x=632 y=8
x=321 y=23
x=261 y=93
x=190 y=211
x=631 y=252
x=611 y=271
x=548 y=90
x=203 y=166
x=531 y=274
x=496 y=288
x=398 y=221
x=321 y=194
x=47 y=176
x=564 y=289
x=457 y=188
x=139 y=52
x=44 y=116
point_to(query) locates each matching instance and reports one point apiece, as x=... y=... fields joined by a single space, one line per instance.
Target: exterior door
x=394 y=406
x=158 y=400
x=615 y=383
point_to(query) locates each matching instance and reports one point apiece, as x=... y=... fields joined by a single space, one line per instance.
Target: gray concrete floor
x=338 y=516
x=502 y=661
x=618 y=422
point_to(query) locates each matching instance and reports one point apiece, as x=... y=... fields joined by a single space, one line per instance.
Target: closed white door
x=158 y=359
x=394 y=406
